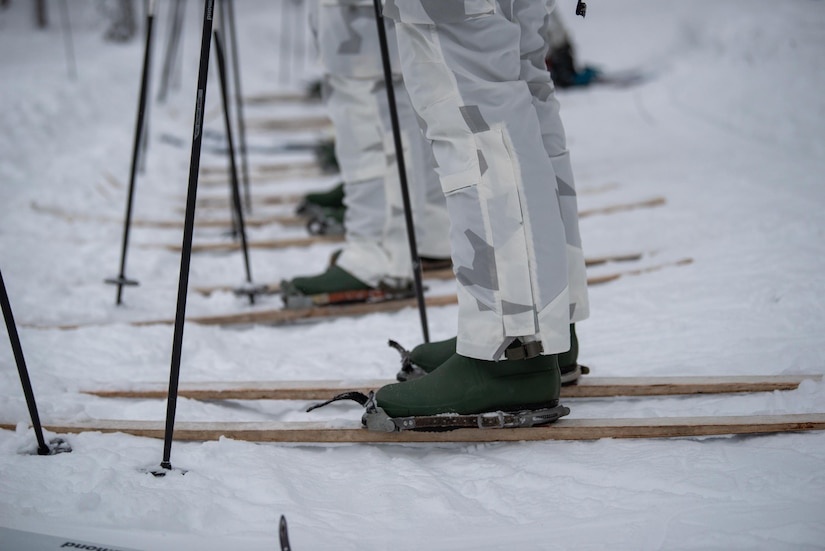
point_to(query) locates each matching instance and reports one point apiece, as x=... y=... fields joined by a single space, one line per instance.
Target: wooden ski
x=221 y=201
x=216 y=176
x=306 y=241
x=282 y=97
x=586 y=387
x=201 y=222
x=352 y=432
x=441 y=274
x=281 y=316
x=295 y=221
x=259 y=221
x=303 y=123
x=264 y=244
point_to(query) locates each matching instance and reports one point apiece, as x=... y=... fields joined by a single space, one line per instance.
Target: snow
x=730 y=130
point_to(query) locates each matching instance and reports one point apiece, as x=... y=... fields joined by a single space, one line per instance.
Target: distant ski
x=282 y=316
x=623 y=79
x=221 y=201
x=304 y=123
x=306 y=241
x=215 y=143
x=282 y=97
x=586 y=387
x=444 y=273
x=353 y=432
x=217 y=175
x=591 y=77
x=201 y=222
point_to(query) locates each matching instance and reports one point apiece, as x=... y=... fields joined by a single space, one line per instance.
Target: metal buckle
x=525 y=351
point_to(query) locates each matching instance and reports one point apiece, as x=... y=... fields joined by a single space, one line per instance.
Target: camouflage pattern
x=377 y=249
x=476 y=75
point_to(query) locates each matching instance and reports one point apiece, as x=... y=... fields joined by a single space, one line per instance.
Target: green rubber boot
x=325 y=154
x=313 y=203
x=429 y=356
x=468 y=386
x=332 y=198
x=570 y=360
x=334 y=280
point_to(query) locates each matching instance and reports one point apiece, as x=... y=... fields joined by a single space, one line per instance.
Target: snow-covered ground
x=730 y=130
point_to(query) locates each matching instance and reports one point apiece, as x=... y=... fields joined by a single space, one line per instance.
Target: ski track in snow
x=729 y=130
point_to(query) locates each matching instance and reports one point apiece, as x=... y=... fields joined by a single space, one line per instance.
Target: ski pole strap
x=406 y=363
x=355 y=396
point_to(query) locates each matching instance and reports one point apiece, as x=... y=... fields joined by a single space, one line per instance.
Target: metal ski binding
x=324 y=224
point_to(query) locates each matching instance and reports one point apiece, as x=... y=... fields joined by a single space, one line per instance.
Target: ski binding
x=377 y=420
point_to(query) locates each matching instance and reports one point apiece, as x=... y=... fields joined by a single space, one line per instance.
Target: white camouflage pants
x=475 y=73
x=377 y=247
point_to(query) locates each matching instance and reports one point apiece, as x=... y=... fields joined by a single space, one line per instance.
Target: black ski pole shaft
x=68 y=41
x=402 y=169
x=41 y=14
x=144 y=140
x=236 y=74
x=17 y=349
x=285 y=61
x=177 y=73
x=188 y=230
x=235 y=233
x=300 y=26
x=172 y=44
x=121 y=279
x=283 y=534
x=236 y=195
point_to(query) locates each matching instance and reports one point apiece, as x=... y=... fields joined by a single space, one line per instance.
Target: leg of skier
x=469 y=66
x=426 y=357
x=376 y=254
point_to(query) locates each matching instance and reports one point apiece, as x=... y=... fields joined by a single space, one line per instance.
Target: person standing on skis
x=376 y=255
x=475 y=72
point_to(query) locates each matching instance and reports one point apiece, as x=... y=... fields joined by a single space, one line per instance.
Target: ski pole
x=402 y=170
x=285 y=61
x=236 y=73
x=58 y=444
x=41 y=14
x=172 y=46
x=299 y=39
x=249 y=289
x=121 y=279
x=283 y=534
x=68 y=42
x=188 y=230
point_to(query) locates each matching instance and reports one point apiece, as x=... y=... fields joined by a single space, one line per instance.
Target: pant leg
x=461 y=61
x=430 y=218
x=377 y=246
x=350 y=76
x=534 y=72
